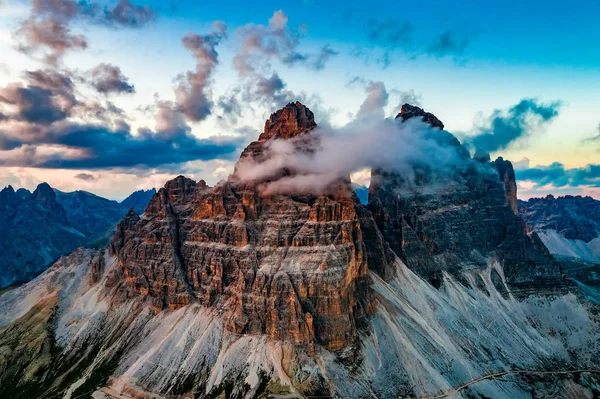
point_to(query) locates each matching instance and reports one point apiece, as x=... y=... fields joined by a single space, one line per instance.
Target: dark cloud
x=85 y=176
x=107 y=78
x=192 y=95
x=557 y=175
x=504 y=127
x=447 y=44
x=97 y=147
x=33 y=104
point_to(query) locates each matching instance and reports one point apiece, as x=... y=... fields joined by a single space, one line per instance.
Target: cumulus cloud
x=33 y=104
x=48 y=27
x=192 y=94
x=336 y=153
x=107 y=78
x=53 y=36
x=377 y=99
x=260 y=45
x=519 y=121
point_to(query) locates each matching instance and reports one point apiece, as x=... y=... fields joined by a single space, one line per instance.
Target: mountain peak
x=292 y=120
x=44 y=194
x=411 y=111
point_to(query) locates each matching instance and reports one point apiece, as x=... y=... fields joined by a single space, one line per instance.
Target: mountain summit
x=230 y=291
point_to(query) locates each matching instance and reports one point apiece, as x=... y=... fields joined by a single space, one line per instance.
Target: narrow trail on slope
x=453 y=391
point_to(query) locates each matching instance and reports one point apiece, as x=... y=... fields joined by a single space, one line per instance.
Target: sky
x=116 y=96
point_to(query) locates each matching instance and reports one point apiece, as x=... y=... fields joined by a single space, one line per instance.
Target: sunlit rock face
x=292 y=267
x=235 y=292
x=458 y=221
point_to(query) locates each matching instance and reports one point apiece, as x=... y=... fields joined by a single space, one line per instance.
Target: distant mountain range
x=37 y=228
x=569 y=225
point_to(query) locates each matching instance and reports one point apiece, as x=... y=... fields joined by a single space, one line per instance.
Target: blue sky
x=467 y=62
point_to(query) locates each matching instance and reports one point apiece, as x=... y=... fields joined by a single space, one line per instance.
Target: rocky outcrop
x=460 y=221
x=292 y=267
x=410 y=111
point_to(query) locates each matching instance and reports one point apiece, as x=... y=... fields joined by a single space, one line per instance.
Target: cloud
x=127 y=14
x=374 y=143
x=505 y=127
x=48 y=27
x=107 y=78
x=69 y=145
x=323 y=57
x=260 y=45
x=407 y=97
x=53 y=35
x=192 y=95
x=447 y=44
x=593 y=138
x=377 y=99
x=558 y=175
x=85 y=176
x=32 y=104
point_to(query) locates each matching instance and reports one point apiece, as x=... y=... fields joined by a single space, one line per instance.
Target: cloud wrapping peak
x=365 y=143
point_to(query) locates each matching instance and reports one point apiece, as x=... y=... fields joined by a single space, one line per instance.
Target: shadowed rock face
x=458 y=222
x=292 y=267
x=35 y=231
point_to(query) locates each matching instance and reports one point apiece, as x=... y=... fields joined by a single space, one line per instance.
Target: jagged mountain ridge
x=228 y=291
x=41 y=226
x=569 y=226
x=457 y=222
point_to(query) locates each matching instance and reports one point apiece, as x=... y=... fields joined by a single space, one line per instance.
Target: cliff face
x=227 y=291
x=292 y=267
x=457 y=222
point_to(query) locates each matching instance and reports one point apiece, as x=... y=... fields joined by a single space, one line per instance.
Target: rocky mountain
x=460 y=220
x=41 y=226
x=35 y=232
x=138 y=200
x=569 y=226
x=234 y=291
